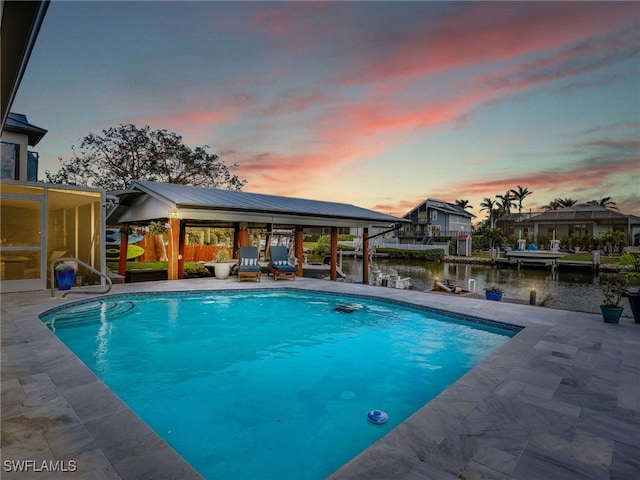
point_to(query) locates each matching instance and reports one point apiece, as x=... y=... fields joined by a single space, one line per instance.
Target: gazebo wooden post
x=174 y=249
x=267 y=242
x=124 y=245
x=333 y=275
x=299 y=245
x=241 y=238
x=235 y=245
x=365 y=256
x=181 y=244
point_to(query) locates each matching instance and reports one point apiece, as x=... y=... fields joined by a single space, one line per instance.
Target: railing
x=418 y=233
x=88 y=267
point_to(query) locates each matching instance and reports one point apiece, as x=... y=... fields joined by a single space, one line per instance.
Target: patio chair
x=248 y=266
x=395 y=281
x=279 y=265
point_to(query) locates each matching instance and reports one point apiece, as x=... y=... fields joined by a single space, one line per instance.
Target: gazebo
x=180 y=206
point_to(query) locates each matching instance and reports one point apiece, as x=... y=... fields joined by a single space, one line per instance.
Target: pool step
x=90 y=313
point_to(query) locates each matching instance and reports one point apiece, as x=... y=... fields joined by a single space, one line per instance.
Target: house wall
x=459 y=224
x=23 y=147
x=582 y=228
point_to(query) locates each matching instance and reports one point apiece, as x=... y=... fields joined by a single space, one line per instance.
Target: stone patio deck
x=560 y=400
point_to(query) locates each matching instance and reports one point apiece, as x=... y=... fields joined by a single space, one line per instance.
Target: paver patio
x=560 y=400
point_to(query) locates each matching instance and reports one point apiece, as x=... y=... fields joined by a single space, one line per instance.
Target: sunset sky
x=377 y=104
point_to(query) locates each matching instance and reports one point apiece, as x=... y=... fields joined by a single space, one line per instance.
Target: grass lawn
x=583 y=257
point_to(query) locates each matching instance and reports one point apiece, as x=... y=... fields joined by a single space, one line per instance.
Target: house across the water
x=584 y=220
x=435 y=222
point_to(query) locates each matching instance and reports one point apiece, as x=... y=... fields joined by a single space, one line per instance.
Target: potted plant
x=631 y=269
x=66 y=275
x=222 y=268
x=493 y=293
x=612 y=291
x=156 y=232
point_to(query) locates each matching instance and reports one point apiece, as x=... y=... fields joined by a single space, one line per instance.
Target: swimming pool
x=270 y=384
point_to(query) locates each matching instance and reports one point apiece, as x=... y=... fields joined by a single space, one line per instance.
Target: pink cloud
x=293 y=103
x=484 y=32
x=187 y=119
x=348 y=129
x=578 y=181
x=489 y=32
x=299 y=25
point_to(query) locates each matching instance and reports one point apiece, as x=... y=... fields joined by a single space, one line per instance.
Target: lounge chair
x=279 y=265
x=248 y=266
x=395 y=281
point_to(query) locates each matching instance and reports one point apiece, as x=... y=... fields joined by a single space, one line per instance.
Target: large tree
x=126 y=153
x=604 y=202
x=506 y=202
x=489 y=204
x=519 y=195
x=464 y=204
x=558 y=203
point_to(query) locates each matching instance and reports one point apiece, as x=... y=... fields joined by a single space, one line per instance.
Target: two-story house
x=435 y=221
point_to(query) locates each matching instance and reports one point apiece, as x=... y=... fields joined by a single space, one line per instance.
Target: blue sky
x=378 y=104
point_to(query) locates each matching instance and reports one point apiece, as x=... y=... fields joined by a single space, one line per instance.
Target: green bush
x=344 y=237
x=323 y=246
x=432 y=255
x=195 y=270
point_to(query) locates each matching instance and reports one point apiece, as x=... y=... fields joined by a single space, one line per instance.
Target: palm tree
x=464 y=204
x=552 y=205
x=566 y=202
x=558 y=203
x=520 y=194
x=489 y=204
x=506 y=202
x=604 y=202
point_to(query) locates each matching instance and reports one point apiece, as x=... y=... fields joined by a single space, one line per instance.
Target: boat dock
x=543 y=258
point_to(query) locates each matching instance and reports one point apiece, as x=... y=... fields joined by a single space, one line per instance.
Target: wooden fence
x=192 y=252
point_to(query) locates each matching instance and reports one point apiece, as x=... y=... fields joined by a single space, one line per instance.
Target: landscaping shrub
x=323 y=246
x=432 y=255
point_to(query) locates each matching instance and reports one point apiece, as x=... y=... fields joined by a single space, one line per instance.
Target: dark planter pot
x=65 y=279
x=145 y=275
x=634 y=302
x=495 y=296
x=611 y=314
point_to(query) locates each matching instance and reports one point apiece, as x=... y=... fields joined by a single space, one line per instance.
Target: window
x=9 y=161
x=32 y=166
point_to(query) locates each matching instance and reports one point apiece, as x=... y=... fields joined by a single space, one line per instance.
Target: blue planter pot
x=65 y=279
x=611 y=314
x=495 y=296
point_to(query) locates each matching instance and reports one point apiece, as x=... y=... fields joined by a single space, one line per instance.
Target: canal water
x=565 y=289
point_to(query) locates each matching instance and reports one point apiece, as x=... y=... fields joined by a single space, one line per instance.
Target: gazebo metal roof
x=145 y=201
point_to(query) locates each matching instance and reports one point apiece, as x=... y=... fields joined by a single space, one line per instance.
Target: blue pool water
x=278 y=384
